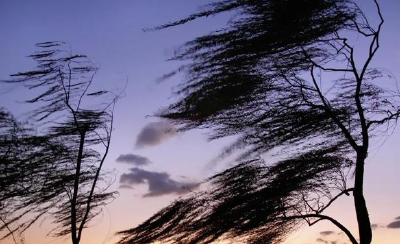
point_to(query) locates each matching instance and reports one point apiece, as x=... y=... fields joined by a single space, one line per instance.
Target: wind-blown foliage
x=264 y=78
x=34 y=172
x=59 y=170
x=244 y=79
x=248 y=203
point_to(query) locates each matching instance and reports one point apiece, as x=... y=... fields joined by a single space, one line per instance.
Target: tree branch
x=328 y=109
x=324 y=217
x=345 y=192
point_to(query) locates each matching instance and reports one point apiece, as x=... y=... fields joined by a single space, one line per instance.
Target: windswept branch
x=328 y=218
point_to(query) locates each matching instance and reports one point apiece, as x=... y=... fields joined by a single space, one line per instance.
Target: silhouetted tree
x=283 y=77
x=33 y=170
x=57 y=168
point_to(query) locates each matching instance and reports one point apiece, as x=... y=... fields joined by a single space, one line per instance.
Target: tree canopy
x=54 y=168
x=283 y=77
x=34 y=173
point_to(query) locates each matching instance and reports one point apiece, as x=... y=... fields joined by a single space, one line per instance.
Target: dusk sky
x=145 y=149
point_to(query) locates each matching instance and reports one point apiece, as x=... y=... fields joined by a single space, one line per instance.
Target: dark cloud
x=125 y=187
x=160 y=183
x=394 y=225
x=326 y=233
x=397 y=218
x=133 y=159
x=321 y=240
x=155 y=133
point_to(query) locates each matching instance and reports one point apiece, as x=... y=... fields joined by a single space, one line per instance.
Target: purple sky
x=110 y=33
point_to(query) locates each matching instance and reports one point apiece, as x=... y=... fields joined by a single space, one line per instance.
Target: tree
x=292 y=86
x=32 y=175
x=58 y=168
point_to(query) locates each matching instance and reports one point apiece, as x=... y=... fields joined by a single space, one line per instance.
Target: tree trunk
x=364 y=224
x=75 y=238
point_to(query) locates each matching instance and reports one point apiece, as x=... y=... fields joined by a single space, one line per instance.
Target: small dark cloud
x=326 y=233
x=394 y=225
x=155 y=133
x=133 y=159
x=321 y=240
x=160 y=183
x=397 y=218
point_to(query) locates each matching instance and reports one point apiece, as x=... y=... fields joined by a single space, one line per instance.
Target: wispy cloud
x=327 y=233
x=155 y=133
x=133 y=159
x=321 y=240
x=125 y=187
x=160 y=183
x=377 y=226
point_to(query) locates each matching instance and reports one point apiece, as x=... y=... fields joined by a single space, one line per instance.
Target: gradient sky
x=110 y=32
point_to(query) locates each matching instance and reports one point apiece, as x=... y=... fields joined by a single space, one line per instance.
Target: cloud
x=376 y=226
x=397 y=218
x=394 y=225
x=125 y=187
x=155 y=133
x=321 y=240
x=160 y=183
x=326 y=233
x=133 y=159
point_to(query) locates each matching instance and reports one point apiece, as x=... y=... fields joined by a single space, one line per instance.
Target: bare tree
x=289 y=85
x=73 y=123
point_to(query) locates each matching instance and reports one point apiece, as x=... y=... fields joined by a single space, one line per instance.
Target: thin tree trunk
x=75 y=238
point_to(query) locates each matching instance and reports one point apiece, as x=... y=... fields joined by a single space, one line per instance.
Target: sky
x=146 y=153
